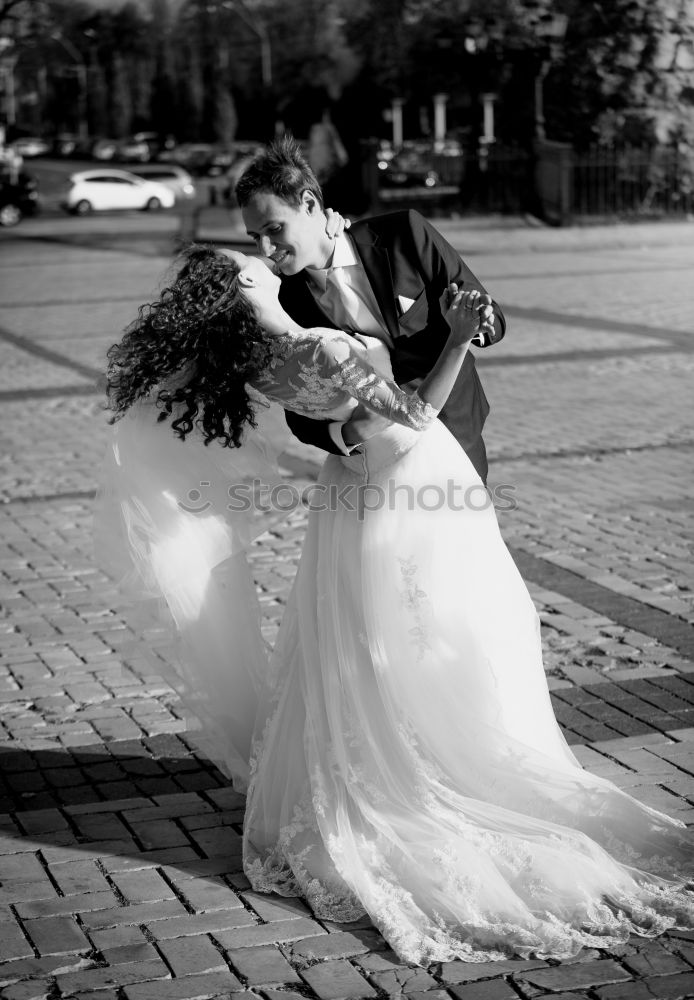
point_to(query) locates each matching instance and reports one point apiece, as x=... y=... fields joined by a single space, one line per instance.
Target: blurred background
x=561 y=109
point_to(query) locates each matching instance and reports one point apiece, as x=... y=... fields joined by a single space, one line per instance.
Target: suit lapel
x=377 y=267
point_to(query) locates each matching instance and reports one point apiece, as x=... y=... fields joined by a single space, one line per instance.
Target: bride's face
x=257 y=279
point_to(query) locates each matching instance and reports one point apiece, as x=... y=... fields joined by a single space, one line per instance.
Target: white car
x=101 y=190
x=170 y=175
x=30 y=146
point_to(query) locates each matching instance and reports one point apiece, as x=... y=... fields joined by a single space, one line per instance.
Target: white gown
x=405 y=761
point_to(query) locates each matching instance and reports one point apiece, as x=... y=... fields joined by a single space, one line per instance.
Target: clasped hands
x=469 y=315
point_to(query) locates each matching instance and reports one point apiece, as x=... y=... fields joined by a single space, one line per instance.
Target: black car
x=408 y=168
x=18 y=198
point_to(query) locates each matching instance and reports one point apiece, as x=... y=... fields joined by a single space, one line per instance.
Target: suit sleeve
x=440 y=264
x=314 y=432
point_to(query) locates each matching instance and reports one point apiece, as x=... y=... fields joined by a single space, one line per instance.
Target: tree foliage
x=194 y=68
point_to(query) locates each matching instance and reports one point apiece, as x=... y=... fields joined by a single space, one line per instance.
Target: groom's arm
x=423 y=249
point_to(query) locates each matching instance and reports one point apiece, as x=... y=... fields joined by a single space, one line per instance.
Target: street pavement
x=119 y=846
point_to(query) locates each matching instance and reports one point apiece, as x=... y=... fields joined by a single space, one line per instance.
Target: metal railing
x=633 y=180
x=621 y=182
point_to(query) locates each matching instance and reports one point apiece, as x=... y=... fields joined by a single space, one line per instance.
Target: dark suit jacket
x=404 y=255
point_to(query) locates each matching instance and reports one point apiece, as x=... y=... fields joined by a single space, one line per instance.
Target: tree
x=628 y=73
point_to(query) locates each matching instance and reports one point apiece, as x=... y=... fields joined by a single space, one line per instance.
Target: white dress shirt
x=344 y=293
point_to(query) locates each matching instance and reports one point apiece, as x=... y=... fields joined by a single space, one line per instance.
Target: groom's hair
x=283 y=170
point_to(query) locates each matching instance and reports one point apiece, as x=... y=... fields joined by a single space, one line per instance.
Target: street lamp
x=551 y=30
x=81 y=72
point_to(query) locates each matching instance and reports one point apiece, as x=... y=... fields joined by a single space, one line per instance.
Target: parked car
x=202 y=159
x=244 y=154
x=169 y=174
x=101 y=190
x=103 y=149
x=408 y=168
x=18 y=198
x=133 y=149
x=30 y=145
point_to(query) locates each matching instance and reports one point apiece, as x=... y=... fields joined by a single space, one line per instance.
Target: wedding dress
x=405 y=762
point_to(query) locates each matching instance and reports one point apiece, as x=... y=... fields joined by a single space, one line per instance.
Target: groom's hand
x=335 y=224
x=362 y=425
x=461 y=304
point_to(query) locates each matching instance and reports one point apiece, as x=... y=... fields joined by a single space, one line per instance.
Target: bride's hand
x=335 y=224
x=468 y=314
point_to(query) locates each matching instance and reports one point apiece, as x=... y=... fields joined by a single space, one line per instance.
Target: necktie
x=346 y=308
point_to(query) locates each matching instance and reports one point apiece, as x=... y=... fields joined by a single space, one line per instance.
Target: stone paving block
x=130 y=954
x=158 y=834
x=13 y=943
x=226 y=798
x=340 y=945
x=627 y=991
x=200 y=923
x=56 y=936
x=404 y=980
x=103 y=827
x=117 y=805
x=263 y=966
x=430 y=995
x=672 y=987
x=469 y=972
x=189 y=805
x=284 y=994
x=275 y=933
x=23 y=867
x=491 y=989
x=197 y=867
x=117 y=937
x=137 y=861
x=216 y=843
x=337 y=981
x=203 y=895
x=60 y=905
x=146 y=886
x=118 y=976
x=102 y=995
x=42 y=821
x=37 y=968
x=19 y=892
x=271 y=907
x=205 y=987
x=192 y=955
x=39 y=989
x=76 y=877
x=580 y=975
x=139 y=913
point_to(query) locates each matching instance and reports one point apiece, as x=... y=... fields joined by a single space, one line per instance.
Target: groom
x=387 y=277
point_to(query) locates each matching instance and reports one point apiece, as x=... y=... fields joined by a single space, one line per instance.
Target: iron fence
x=633 y=180
x=626 y=181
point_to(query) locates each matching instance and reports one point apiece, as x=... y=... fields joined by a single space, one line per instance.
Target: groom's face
x=293 y=237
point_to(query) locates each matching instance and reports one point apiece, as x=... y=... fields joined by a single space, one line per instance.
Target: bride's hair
x=283 y=170
x=197 y=347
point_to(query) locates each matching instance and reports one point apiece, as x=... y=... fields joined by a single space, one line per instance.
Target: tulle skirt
x=399 y=748
x=406 y=760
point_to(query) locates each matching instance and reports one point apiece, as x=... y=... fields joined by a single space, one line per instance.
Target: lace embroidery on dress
x=368 y=386
x=416 y=601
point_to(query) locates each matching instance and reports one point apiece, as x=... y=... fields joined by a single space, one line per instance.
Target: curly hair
x=283 y=170
x=203 y=338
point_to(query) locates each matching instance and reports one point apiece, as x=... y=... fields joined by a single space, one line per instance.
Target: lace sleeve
x=353 y=374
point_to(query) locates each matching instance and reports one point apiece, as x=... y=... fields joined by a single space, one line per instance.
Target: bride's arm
x=468 y=313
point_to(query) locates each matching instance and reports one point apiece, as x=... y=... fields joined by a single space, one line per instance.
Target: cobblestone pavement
x=119 y=847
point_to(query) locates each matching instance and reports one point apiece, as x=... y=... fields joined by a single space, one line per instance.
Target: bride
x=398 y=746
